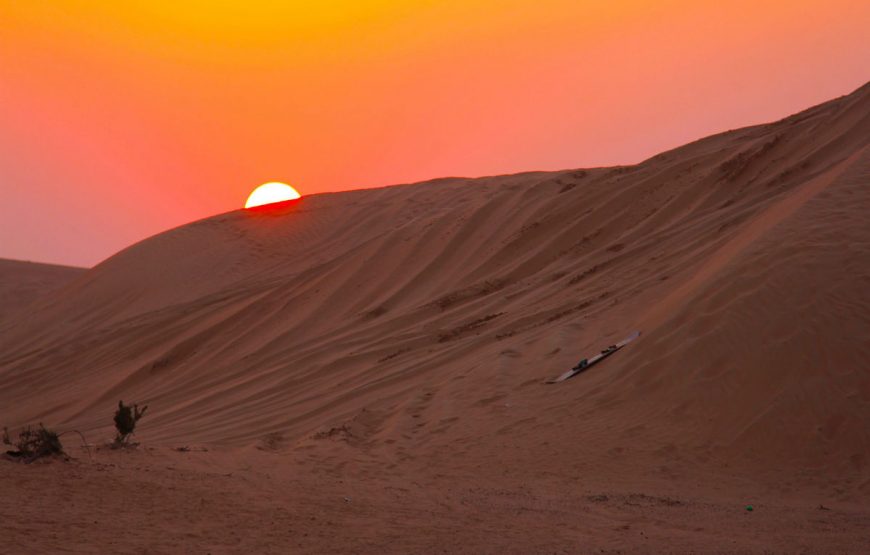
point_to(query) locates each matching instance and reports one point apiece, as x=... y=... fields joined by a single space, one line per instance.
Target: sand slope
x=404 y=334
x=22 y=282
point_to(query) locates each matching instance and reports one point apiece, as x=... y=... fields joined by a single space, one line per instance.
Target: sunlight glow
x=271 y=192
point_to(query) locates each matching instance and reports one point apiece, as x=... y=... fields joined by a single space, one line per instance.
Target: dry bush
x=34 y=443
x=126 y=418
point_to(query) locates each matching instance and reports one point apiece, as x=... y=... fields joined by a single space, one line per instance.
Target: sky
x=119 y=120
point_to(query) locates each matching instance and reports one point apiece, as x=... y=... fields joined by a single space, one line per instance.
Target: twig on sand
x=84 y=441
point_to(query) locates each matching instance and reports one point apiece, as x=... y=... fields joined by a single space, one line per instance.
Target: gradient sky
x=122 y=119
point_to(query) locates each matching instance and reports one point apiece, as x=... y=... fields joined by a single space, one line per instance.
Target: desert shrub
x=126 y=418
x=34 y=443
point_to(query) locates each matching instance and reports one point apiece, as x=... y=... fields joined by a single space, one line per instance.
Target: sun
x=267 y=193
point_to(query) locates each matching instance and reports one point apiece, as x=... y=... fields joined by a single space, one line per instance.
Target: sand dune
x=22 y=282
x=403 y=335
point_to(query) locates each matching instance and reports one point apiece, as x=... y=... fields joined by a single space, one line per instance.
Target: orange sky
x=117 y=122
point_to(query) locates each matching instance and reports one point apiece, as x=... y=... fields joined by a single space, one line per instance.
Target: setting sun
x=271 y=192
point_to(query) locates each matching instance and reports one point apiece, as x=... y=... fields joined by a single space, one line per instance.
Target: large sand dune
x=398 y=340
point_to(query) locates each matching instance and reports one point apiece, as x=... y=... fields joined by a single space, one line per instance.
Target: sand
x=21 y=282
x=364 y=371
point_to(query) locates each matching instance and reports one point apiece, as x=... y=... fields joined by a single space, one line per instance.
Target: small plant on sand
x=126 y=418
x=34 y=443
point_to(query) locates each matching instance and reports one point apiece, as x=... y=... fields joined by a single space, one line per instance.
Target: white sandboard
x=597 y=358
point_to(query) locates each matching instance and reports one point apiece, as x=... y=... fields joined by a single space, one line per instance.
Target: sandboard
x=597 y=358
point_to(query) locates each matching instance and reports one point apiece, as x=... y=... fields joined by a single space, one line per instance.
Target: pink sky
x=117 y=123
